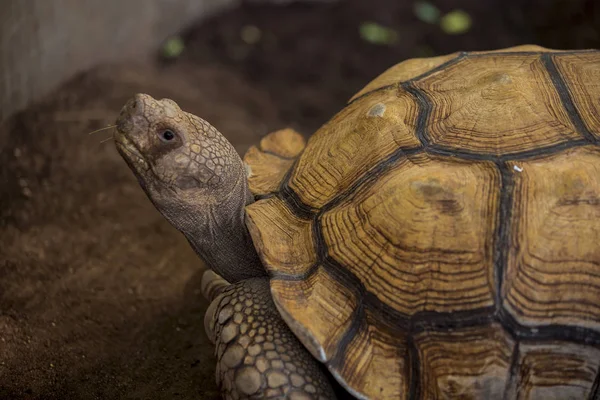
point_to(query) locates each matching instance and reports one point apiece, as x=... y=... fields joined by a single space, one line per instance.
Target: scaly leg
x=258 y=356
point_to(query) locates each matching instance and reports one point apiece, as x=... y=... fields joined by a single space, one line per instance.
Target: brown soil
x=98 y=294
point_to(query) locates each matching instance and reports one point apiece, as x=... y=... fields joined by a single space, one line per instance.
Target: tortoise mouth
x=127 y=125
x=130 y=152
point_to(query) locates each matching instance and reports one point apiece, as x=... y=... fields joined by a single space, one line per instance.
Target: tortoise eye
x=167 y=135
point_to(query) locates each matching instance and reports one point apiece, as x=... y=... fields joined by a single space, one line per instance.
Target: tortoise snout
x=133 y=108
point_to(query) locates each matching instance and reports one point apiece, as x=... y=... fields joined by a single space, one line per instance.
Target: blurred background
x=99 y=296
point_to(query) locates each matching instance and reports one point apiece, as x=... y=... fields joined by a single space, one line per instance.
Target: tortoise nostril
x=122 y=122
x=133 y=105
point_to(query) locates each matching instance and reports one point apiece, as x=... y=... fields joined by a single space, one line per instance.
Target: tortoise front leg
x=258 y=356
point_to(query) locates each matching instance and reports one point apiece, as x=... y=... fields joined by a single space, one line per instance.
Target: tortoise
x=437 y=238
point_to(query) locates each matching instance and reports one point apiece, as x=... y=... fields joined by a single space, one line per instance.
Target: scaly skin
x=258 y=356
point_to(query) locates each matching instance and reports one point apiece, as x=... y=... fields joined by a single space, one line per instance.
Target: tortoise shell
x=439 y=237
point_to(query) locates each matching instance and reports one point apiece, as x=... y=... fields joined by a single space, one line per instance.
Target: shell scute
x=420 y=237
x=355 y=140
x=553 y=267
x=496 y=105
x=581 y=76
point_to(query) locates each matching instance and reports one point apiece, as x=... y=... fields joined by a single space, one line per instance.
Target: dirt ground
x=99 y=296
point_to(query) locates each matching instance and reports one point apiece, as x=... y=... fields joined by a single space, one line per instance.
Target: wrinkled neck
x=218 y=233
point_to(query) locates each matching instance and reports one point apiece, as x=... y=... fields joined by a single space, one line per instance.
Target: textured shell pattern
x=439 y=236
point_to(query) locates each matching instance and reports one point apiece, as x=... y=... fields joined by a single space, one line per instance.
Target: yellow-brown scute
x=268 y=162
x=353 y=142
x=419 y=237
x=496 y=105
x=553 y=268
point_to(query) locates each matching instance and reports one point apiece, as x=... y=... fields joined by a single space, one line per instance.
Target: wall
x=45 y=42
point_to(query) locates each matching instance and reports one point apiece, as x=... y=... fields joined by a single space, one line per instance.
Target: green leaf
x=456 y=22
x=173 y=47
x=426 y=12
x=250 y=34
x=374 y=33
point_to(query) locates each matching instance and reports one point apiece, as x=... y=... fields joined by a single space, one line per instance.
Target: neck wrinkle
x=218 y=234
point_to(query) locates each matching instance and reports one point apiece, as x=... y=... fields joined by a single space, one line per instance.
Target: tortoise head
x=174 y=152
x=194 y=177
